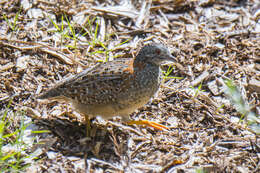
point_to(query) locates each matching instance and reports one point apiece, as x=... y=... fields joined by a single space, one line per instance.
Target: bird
x=115 y=88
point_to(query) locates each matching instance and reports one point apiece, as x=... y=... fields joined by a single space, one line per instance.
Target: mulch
x=212 y=41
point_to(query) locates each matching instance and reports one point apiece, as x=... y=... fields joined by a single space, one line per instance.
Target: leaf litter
x=212 y=41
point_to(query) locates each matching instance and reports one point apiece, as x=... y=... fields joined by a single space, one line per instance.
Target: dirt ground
x=41 y=42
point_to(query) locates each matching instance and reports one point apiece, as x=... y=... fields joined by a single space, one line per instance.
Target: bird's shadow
x=69 y=138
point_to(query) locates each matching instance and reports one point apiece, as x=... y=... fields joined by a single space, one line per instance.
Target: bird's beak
x=170 y=58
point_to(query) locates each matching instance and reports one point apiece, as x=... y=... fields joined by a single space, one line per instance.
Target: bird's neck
x=136 y=66
x=139 y=64
x=140 y=67
x=147 y=75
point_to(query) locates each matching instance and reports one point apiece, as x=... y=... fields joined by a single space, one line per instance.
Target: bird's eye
x=158 y=51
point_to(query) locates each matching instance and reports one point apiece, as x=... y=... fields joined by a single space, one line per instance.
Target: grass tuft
x=242 y=106
x=13 y=25
x=91 y=31
x=15 y=145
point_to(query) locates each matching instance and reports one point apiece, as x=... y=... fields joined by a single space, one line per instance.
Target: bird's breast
x=141 y=89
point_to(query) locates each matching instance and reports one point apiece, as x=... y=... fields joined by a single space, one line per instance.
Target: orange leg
x=148 y=123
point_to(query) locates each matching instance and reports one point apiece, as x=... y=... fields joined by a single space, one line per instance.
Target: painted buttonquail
x=115 y=88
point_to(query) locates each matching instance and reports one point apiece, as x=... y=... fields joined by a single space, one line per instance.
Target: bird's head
x=155 y=54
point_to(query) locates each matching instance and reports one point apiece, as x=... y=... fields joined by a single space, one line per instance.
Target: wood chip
x=213 y=87
x=200 y=78
x=254 y=85
x=6 y=66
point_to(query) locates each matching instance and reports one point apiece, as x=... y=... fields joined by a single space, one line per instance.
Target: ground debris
x=212 y=41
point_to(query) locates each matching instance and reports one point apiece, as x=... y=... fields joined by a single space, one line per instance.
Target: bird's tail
x=52 y=93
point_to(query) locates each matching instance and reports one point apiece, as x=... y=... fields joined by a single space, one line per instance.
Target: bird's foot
x=148 y=123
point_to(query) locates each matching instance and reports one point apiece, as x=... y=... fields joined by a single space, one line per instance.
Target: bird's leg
x=148 y=123
x=144 y=122
x=88 y=128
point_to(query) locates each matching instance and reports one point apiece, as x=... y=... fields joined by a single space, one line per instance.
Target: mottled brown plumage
x=114 y=88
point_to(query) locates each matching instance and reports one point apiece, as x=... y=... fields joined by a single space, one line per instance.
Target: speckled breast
x=142 y=89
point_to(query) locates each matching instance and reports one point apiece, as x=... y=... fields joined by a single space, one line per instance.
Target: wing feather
x=92 y=82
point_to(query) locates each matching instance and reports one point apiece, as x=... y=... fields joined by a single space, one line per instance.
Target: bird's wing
x=102 y=72
x=98 y=80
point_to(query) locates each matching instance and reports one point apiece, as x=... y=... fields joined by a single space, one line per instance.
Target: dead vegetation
x=44 y=41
